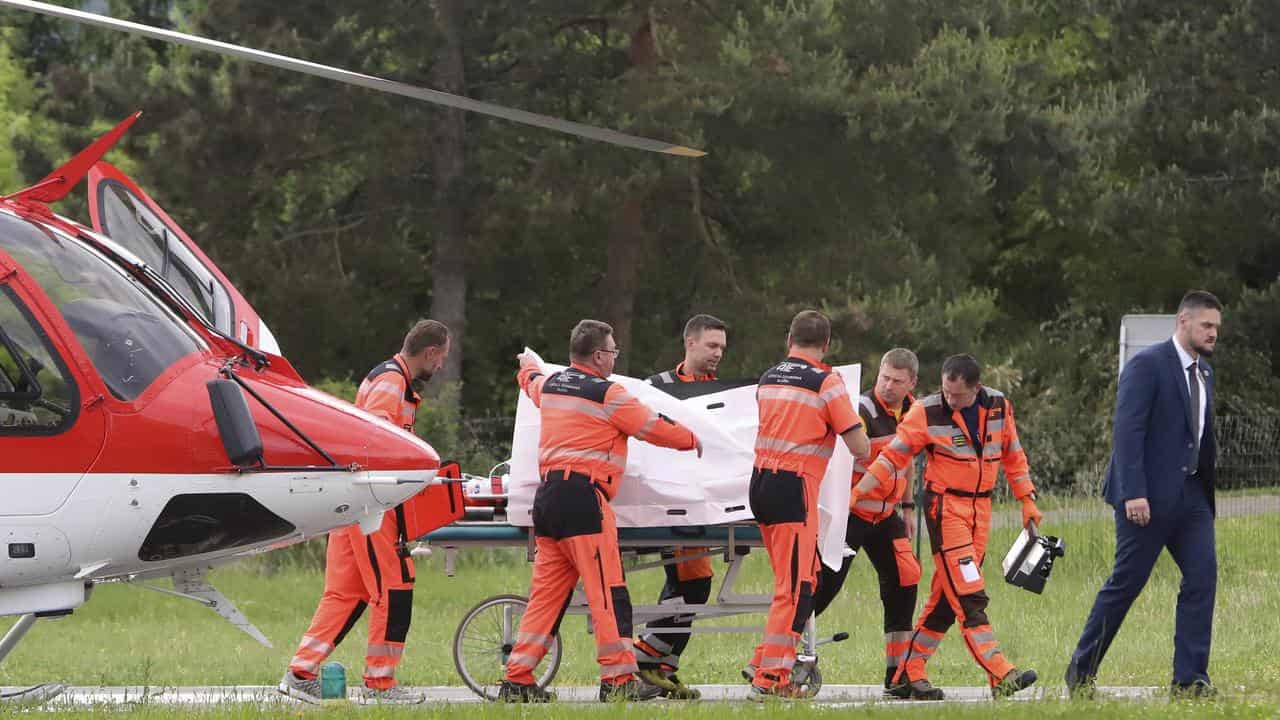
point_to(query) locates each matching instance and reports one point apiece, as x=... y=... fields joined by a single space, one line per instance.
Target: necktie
x=1193 y=381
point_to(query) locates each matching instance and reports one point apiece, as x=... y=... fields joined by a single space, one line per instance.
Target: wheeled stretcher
x=487 y=633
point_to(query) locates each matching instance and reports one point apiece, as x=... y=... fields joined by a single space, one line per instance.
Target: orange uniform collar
x=801 y=355
x=683 y=377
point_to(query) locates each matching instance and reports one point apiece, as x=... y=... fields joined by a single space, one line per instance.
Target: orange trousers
x=576 y=538
x=362 y=571
x=785 y=504
x=958 y=530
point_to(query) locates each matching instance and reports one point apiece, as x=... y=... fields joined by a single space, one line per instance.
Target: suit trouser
x=361 y=571
x=1188 y=533
x=785 y=504
x=576 y=537
x=889 y=549
x=688 y=581
x=958 y=531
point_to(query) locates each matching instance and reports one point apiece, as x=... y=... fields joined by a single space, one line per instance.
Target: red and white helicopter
x=149 y=426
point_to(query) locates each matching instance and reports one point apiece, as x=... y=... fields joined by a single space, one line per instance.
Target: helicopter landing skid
x=36 y=695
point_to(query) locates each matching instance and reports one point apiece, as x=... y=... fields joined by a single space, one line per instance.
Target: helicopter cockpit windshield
x=130 y=336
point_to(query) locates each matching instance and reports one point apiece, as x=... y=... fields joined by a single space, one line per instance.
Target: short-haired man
x=1161 y=482
x=874 y=523
x=688 y=581
x=804 y=407
x=582 y=453
x=377 y=570
x=968 y=432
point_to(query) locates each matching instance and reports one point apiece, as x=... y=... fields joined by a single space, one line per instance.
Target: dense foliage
x=1003 y=177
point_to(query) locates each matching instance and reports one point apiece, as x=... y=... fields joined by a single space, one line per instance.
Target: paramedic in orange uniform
x=804 y=406
x=373 y=570
x=688 y=581
x=582 y=453
x=874 y=523
x=969 y=434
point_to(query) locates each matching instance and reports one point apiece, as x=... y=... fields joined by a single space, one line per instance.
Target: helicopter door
x=120 y=210
x=50 y=433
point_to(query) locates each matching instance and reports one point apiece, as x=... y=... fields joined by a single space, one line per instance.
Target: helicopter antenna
x=353 y=78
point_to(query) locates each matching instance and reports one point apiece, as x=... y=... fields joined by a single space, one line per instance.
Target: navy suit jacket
x=1152 y=449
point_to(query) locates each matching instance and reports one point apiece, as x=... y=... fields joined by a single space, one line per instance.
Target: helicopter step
x=32 y=695
x=190 y=583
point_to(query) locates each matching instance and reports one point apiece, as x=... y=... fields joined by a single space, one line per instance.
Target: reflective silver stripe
x=623 y=645
x=985 y=636
x=931 y=401
x=1019 y=480
x=898 y=445
x=573 y=404
x=946 y=431
x=379 y=671
x=874 y=505
x=1015 y=446
x=786 y=446
x=523 y=660
x=768 y=663
x=533 y=639
x=897 y=636
x=992 y=392
x=657 y=643
x=990 y=653
x=887 y=463
x=648 y=425
x=858 y=467
x=870 y=406
x=316 y=644
x=992 y=451
x=833 y=392
x=777 y=392
x=666 y=377
x=894 y=660
x=965 y=451
x=994 y=425
x=384 y=651
x=304 y=664
x=928 y=642
x=561 y=453
x=778 y=639
x=619 y=669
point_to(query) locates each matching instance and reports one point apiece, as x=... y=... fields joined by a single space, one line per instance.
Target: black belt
x=562 y=475
x=962 y=493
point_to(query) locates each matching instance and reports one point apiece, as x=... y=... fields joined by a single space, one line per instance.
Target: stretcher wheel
x=808 y=678
x=484 y=640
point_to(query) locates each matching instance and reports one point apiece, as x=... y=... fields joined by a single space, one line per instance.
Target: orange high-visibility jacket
x=882 y=426
x=586 y=421
x=803 y=407
x=955 y=463
x=387 y=393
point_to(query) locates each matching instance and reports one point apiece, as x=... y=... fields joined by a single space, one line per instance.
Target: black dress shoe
x=1198 y=690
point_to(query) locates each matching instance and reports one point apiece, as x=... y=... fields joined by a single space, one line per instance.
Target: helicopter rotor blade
x=353 y=78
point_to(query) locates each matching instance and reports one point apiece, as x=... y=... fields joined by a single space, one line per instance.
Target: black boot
x=1014 y=681
x=633 y=690
x=518 y=693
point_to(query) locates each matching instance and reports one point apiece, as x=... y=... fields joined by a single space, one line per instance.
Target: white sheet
x=663 y=487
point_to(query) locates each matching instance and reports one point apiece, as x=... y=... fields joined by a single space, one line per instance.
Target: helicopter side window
x=37 y=396
x=129 y=335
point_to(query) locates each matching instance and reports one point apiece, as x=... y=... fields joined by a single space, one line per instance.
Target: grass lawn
x=130 y=636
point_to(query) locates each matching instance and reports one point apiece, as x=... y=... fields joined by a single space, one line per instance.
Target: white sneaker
x=307 y=691
x=394 y=695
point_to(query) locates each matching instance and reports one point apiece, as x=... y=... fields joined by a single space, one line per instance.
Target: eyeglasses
x=614 y=352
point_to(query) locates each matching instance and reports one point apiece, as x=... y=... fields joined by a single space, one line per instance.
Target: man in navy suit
x=1160 y=482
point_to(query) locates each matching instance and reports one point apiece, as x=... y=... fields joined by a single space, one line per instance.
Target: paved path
x=830 y=696
x=1231 y=506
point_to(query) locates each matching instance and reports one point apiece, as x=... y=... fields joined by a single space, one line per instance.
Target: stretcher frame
x=731 y=542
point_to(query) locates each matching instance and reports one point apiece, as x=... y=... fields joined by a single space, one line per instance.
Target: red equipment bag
x=436 y=506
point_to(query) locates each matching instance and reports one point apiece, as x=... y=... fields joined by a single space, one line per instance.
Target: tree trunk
x=626 y=239
x=449 y=256
x=622 y=275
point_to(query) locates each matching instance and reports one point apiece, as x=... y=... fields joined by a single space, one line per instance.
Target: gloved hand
x=1031 y=513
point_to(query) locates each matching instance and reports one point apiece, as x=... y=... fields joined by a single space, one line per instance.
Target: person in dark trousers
x=688 y=579
x=874 y=523
x=1161 y=482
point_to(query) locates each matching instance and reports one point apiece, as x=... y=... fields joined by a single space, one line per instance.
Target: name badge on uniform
x=969 y=571
x=959 y=440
